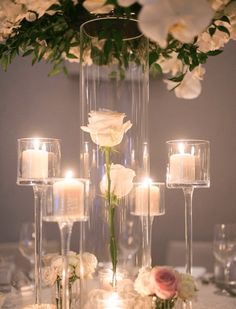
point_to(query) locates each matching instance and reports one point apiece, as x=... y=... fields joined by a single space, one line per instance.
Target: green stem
x=111 y=210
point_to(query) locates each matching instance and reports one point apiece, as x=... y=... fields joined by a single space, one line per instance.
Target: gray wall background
x=32 y=104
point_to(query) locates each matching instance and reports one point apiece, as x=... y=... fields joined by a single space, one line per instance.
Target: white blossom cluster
x=12 y=12
x=183 y=19
x=79 y=266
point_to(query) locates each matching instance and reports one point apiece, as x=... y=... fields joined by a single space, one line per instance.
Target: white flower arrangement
x=79 y=265
x=165 y=285
x=183 y=33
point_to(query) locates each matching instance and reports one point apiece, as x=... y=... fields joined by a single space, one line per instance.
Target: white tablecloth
x=207 y=299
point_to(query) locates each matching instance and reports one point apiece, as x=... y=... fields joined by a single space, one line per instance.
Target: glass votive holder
x=38 y=159
x=188 y=163
x=105 y=275
x=66 y=200
x=148 y=198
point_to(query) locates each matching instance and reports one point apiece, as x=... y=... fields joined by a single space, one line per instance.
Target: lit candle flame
x=147 y=182
x=36 y=144
x=44 y=147
x=181 y=147
x=113 y=302
x=193 y=150
x=69 y=174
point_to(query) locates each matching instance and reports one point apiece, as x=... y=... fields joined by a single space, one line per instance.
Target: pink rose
x=164 y=282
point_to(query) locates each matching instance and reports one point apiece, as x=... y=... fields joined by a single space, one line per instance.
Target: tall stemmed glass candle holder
x=66 y=203
x=188 y=168
x=38 y=160
x=114 y=123
x=148 y=202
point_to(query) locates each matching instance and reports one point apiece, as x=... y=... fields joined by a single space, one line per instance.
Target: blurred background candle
x=147 y=199
x=113 y=301
x=182 y=166
x=35 y=162
x=68 y=196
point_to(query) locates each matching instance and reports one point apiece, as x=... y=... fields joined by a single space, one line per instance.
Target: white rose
x=98 y=6
x=186 y=287
x=143 y=302
x=121 y=180
x=10 y=16
x=57 y=265
x=190 y=87
x=230 y=11
x=49 y=275
x=30 y=16
x=106 y=127
x=206 y=42
x=171 y=64
x=218 y=4
x=142 y=283
x=88 y=267
x=40 y=7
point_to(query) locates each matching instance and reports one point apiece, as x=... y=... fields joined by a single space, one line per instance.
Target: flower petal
x=184 y=19
x=152 y=24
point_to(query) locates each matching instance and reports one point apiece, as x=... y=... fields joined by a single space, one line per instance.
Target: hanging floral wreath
x=182 y=33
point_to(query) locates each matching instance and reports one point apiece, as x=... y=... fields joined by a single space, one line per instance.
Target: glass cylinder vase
x=114 y=88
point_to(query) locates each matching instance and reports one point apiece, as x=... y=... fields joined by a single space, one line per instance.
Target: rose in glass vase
x=84 y=264
x=107 y=129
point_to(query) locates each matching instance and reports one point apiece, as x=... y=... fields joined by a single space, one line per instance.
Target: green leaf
x=27 y=53
x=225 y=18
x=55 y=71
x=212 y=31
x=223 y=29
x=107 y=48
x=65 y=70
x=54 y=7
x=155 y=70
x=5 y=62
x=153 y=56
x=177 y=79
x=214 y=52
x=71 y=56
x=202 y=57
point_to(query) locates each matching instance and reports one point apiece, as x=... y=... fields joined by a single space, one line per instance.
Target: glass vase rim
x=188 y=140
x=159 y=183
x=57 y=179
x=44 y=139
x=225 y=224
x=114 y=18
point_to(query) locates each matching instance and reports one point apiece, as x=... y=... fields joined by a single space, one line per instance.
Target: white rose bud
x=121 y=180
x=106 y=127
x=186 y=287
x=142 y=283
x=49 y=275
x=30 y=16
x=88 y=267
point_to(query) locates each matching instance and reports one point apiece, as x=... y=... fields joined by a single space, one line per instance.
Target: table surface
x=207 y=299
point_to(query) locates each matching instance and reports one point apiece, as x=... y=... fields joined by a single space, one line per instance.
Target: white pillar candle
x=147 y=199
x=68 y=195
x=35 y=162
x=182 y=167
